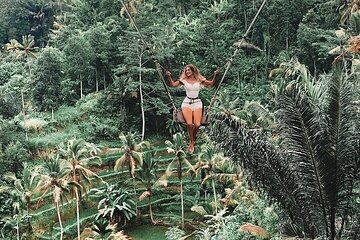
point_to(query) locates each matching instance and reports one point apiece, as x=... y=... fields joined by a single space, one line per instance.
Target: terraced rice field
x=165 y=201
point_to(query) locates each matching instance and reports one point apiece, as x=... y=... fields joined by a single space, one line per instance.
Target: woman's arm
x=172 y=83
x=212 y=81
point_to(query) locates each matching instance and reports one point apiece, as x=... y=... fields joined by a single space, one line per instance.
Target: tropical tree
x=227 y=105
x=52 y=179
x=313 y=169
x=49 y=73
x=21 y=187
x=115 y=204
x=211 y=165
x=76 y=156
x=131 y=153
x=20 y=191
x=102 y=230
x=79 y=56
x=16 y=222
x=147 y=176
x=132 y=157
x=177 y=147
x=24 y=50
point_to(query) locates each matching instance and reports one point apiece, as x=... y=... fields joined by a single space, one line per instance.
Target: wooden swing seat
x=179 y=118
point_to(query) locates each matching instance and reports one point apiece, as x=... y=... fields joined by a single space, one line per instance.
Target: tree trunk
x=97 y=83
x=23 y=112
x=136 y=202
x=77 y=213
x=150 y=211
x=17 y=231
x=60 y=222
x=104 y=80
x=182 y=205
x=77 y=206
x=215 y=200
x=28 y=63
x=141 y=98
x=81 y=88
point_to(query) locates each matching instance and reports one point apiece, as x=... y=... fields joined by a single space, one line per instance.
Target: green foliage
x=79 y=55
x=92 y=43
x=115 y=205
x=11 y=92
x=9 y=68
x=172 y=126
x=131 y=149
x=300 y=161
x=174 y=233
x=66 y=115
x=21 y=17
x=48 y=74
x=97 y=128
x=225 y=225
x=315 y=38
x=14 y=155
x=355 y=23
x=11 y=132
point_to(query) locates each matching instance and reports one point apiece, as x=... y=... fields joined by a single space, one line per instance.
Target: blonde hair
x=196 y=72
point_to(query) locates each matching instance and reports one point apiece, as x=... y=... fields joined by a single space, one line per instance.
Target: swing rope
x=157 y=64
x=229 y=62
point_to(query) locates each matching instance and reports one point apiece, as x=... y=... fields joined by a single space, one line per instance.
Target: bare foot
x=191 y=147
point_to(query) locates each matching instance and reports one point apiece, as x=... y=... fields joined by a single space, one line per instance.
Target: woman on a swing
x=192 y=106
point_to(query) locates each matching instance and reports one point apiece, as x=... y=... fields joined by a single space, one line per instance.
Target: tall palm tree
x=132 y=157
x=312 y=170
x=77 y=155
x=130 y=5
x=24 y=50
x=15 y=222
x=147 y=176
x=21 y=188
x=227 y=105
x=211 y=164
x=177 y=147
x=52 y=179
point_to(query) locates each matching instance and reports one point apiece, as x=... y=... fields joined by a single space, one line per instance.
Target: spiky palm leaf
x=343 y=126
x=21 y=189
x=311 y=172
x=132 y=156
x=177 y=146
x=76 y=156
x=52 y=179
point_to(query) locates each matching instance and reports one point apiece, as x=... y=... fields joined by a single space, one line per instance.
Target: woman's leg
x=188 y=117
x=197 y=122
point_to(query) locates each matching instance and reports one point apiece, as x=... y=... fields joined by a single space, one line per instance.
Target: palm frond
x=266 y=167
x=303 y=136
x=344 y=138
x=144 y=195
x=138 y=156
x=119 y=163
x=254 y=230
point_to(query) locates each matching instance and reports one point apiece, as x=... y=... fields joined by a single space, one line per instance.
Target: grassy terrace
x=164 y=199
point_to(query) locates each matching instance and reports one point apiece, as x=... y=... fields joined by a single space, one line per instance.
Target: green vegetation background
x=71 y=69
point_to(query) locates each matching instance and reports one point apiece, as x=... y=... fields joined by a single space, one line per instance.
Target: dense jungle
x=89 y=147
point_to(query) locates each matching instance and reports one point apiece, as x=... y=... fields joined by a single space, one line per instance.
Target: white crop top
x=192 y=89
